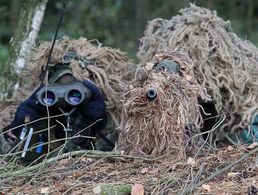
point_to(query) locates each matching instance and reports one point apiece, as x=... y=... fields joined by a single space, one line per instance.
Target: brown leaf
x=190 y=161
x=97 y=189
x=206 y=187
x=230 y=148
x=44 y=190
x=137 y=189
x=252 y=146
x=144 y=170
x=233 y=174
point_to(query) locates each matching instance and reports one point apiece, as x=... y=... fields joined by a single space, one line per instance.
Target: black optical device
x=70 y=94
x=151 y=94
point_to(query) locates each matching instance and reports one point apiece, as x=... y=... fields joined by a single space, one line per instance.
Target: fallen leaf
x=137 y=189
x=233 y=174
x=252 y=146
x=44 y=190
x=206 y=187
x=154 y=179
x=144 y=170
x=97 y=190
x=190 y=161
x=230 y=148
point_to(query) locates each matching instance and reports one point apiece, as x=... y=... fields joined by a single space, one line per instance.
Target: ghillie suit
x=158 y=107
x=107 y=67
x=222 y=63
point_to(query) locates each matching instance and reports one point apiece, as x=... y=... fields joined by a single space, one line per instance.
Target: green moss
x=115 y=189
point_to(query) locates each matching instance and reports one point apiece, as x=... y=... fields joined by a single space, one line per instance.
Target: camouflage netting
x=108 y=68
x=154 y=127
x=224 y=64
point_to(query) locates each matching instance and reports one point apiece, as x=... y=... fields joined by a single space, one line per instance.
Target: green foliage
x=102 y=20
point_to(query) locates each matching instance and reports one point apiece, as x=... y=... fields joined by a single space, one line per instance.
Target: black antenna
x=54 y=41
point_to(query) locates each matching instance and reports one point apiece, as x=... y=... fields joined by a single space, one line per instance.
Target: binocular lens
x=74 y=96
x=48 y=98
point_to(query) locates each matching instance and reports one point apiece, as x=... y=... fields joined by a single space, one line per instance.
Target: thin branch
x=223 y=169
x=87 y=153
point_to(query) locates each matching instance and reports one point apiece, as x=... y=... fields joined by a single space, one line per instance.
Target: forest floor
x=225 y=171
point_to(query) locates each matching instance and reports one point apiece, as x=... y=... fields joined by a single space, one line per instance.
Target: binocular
x=70 y=94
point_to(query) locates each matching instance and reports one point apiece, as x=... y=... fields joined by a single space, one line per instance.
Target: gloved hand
x=95 y=109
x=29 y=107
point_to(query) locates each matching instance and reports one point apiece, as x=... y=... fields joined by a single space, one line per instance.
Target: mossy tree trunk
x=30 y=19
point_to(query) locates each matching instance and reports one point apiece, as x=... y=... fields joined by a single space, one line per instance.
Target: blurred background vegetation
x=119 y=23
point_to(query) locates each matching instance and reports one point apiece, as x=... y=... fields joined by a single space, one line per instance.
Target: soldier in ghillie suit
x=223 y=65
x=101 y=70
x=161 y=106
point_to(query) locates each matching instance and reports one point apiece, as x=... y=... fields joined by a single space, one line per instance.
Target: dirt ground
x=225 y=171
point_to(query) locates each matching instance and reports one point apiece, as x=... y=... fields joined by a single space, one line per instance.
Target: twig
x=72 y=187
x=31 y=122
x=224 y=169
x=87 y=153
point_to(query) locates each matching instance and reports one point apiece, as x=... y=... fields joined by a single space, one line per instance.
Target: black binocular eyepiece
x=71 y=94
x=151 y=94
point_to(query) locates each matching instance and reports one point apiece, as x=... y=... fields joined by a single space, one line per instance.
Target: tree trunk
x=13 y=16
x=30 y=19
x=141 y=15
x=249 y=17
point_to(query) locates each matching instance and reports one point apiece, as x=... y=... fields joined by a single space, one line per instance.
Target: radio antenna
x=54 y=41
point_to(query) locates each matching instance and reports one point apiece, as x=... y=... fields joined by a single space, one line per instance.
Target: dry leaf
x=144 y=170
x=252 y=146
x=97 y=190
x=233 y=174
x=190 y=161
x=44 y=190
x=230 y=148
x=137 y=189
x=206 y=187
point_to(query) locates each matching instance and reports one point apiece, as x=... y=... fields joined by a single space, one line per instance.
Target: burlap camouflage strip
x=224 y=64
x=158 y=127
